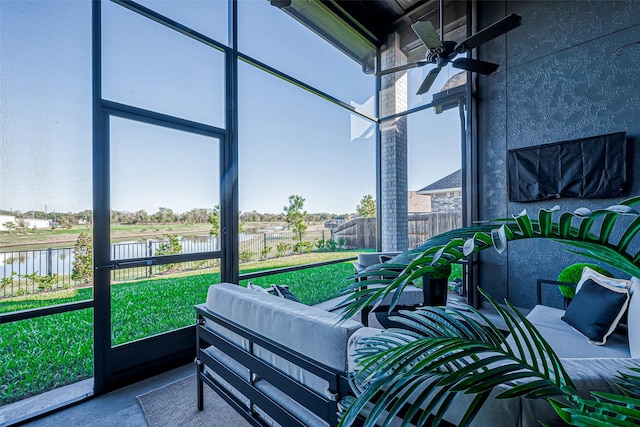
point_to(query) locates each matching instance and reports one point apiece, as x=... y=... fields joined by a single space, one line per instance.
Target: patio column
x=393 y=99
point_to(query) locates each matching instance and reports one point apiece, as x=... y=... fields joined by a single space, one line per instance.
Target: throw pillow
x=283 y=292
x=596 y=309
x=633 y=319
x=385 y=258
x=257 y=288
x=588 y=273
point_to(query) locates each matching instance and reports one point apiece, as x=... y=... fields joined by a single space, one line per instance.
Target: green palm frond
x=446 y=352
x=605 y=409
x=420 y=371
x=585 y=232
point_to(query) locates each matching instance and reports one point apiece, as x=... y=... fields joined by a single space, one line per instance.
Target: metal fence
x=272 y=245
x=38 y=270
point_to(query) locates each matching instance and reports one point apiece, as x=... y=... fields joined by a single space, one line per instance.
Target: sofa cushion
x=367 y=259
x=633 y=318
x=596 y=309
x=306 y=330
x=566 y=342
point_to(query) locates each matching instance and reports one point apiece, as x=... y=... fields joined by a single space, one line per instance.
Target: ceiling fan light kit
x=441 y=52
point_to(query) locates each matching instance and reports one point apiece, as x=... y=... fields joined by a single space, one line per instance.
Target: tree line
x=165 y=215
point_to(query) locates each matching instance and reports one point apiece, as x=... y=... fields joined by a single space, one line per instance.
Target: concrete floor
x=118 y=408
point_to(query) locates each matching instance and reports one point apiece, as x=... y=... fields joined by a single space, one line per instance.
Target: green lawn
x=40 y=354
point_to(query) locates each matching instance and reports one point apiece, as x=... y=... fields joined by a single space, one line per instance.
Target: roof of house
x=451 y=181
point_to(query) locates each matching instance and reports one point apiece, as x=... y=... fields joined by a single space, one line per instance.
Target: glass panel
x=45 y=152
x=38 y=355
x=147 y=65
x=434 y=173
x=164 y=302
x=164 y=190
x=179 y=172
x=207 y=17
x=305 y=147
x=273 y=37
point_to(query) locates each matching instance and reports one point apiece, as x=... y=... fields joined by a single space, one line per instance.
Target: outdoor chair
x=411 y=298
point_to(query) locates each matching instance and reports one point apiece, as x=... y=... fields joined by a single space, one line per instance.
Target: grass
x=41 y=354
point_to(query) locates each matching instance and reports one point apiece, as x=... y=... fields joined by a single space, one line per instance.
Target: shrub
x=265 y=251
x=341 y=243
x=282 y=248
x=46 y=283
x=83 y=259
x=245 y=256
x=302 y=247
x=171 y=246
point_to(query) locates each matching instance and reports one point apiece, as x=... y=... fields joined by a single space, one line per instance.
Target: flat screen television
x=581 y=168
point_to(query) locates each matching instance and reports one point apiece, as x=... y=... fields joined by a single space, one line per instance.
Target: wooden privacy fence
x=424 y=225
x=361 y=232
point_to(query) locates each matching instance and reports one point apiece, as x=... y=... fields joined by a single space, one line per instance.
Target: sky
x=290 y=141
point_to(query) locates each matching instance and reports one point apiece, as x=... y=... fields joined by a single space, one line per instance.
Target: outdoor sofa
x=278 y=360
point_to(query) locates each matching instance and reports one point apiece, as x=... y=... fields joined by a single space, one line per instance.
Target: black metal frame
x=322 y=406
x=114 y=366
x=541 y=282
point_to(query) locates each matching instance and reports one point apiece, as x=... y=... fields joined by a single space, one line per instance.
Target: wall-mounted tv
x=582 y=168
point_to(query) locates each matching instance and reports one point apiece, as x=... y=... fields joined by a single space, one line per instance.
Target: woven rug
x=175 y=405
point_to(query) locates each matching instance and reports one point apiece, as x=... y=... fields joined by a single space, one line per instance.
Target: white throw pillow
x=633 y=319
x=257 y=288
x=588 y=273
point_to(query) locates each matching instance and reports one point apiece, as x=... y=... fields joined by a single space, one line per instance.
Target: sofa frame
x=323 y=407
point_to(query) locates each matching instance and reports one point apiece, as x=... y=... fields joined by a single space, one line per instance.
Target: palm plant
x=445 y=352
x=576 y=229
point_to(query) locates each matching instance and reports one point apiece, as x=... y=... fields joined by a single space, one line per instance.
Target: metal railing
x=33 y=271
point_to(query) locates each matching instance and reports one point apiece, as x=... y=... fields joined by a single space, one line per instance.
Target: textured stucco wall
x=561 y=77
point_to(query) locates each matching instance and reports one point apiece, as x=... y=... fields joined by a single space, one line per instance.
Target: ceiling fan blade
x=492 y=31
x=475 y=65
x=428 y=34
x=401 y=68
x=428 y=81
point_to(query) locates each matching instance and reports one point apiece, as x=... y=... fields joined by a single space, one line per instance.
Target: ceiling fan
x=441 y=52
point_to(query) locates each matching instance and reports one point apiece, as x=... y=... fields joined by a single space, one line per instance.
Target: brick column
x=393 y=99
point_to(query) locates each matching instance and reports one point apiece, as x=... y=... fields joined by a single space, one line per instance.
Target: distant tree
x=21 y=225
x=9 y=225
x=294 y=214
x=83 y=259
x=367 y=207
x=141 y=217
x=164 y=215
x=65 y=222
x=214 y=220
x=86 y=216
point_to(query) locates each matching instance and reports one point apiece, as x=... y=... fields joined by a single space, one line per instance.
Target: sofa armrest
x=541 y=282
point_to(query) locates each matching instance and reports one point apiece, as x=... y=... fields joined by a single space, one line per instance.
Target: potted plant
x=436 y=284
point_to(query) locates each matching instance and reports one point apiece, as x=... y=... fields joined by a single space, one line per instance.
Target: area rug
x=175 y=405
